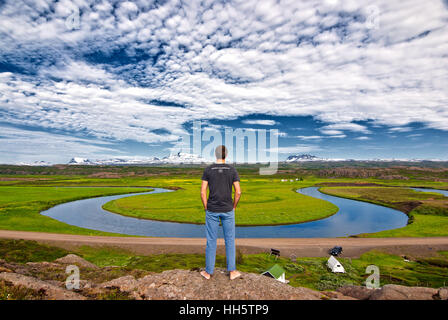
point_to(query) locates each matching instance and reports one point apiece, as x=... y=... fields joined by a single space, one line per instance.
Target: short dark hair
x=221 y=152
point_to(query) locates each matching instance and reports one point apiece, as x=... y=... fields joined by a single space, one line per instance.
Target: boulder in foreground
x=397 y=292
x=48 y=290
x=76 y=260
x=186 y=284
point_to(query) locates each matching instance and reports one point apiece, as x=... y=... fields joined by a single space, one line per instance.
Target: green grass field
x=263 y=202
x=428 y=211
x=305 y=272
x=265 y=199
x=20 y=207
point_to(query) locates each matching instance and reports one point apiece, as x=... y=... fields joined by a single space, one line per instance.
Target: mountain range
x=186 y=158
x=178 y=158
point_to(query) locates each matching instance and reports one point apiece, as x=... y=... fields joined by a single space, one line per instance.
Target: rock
x=43 y=265
x=56 y=283
x=357 y=292
x=50 y=291
x=442 y=294
x=76 y=260
x=187 y=284
x=125 y=284
x=12 y=266
x=2 y=269
x=397 y=292
x=85 y=284
x=4 y=266
x=335 y=295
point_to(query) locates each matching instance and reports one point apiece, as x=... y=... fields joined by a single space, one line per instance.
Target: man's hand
x=237 y=187
x=204 y=193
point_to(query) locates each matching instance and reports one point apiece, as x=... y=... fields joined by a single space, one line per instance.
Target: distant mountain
x=178 y=158
x=187 y=158
x=303 y=157
x=309 y=157
x=181 y=157
x=77 y=160
x=35 y=163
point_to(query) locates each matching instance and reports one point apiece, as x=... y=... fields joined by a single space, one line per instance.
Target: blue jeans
x=211 y=232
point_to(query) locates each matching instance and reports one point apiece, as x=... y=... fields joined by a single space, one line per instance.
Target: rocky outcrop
x=185 y=284
x=357 y=292
x=48 y=290
x=76 y=260
x=397 y=292
x=335 y=295
x=3 y=269
x=47 y=280
x=442 y=294
x=124 y=284
x=394 y=292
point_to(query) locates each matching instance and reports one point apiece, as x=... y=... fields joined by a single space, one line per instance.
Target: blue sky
x=337 y=78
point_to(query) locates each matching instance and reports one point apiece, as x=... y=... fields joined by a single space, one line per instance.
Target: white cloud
x=222 y=61
x=260 y=122
x=298 y=148
x=38 y=145
x=400 y=129
x=338 y=127
x=331 y=132
x=310 y=137
x=339 y=136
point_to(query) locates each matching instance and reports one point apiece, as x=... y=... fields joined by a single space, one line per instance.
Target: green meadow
x=427 y=211
x=263 y=202
x=20 y=207
x=26 y=191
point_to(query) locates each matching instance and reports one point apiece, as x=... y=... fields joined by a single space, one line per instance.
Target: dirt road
x=301 y=247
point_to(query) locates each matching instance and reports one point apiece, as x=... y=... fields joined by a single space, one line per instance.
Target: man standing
x=220 y=178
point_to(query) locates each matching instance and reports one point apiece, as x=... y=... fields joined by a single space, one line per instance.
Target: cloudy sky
x=337 y=78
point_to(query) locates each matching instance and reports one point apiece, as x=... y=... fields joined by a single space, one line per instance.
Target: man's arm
x=204 y=193
x=237 y=197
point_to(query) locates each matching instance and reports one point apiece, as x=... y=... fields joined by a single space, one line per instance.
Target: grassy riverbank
x=20 y=207
x=264 y=202
x=428 y=212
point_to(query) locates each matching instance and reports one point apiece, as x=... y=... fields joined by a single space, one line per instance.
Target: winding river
x=443 y=192
x=353 y=217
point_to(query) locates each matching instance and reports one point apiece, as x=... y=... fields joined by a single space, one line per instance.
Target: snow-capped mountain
x=181 y=157
x=178 y=158
x=77 y=160
x=309 y=157
x=187 y=158
x=35 y=163
x=303 y=157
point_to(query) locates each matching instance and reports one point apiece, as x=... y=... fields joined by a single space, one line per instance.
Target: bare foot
x=234 y=274
x=205 y=275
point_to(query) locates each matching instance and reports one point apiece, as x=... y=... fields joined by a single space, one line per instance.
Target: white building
x=334 y=265
x=276 y=272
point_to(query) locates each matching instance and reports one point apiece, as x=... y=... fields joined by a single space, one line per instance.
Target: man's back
x=220 y=177
x=219 y=208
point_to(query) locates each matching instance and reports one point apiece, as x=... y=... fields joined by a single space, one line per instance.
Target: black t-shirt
x=220 y=177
